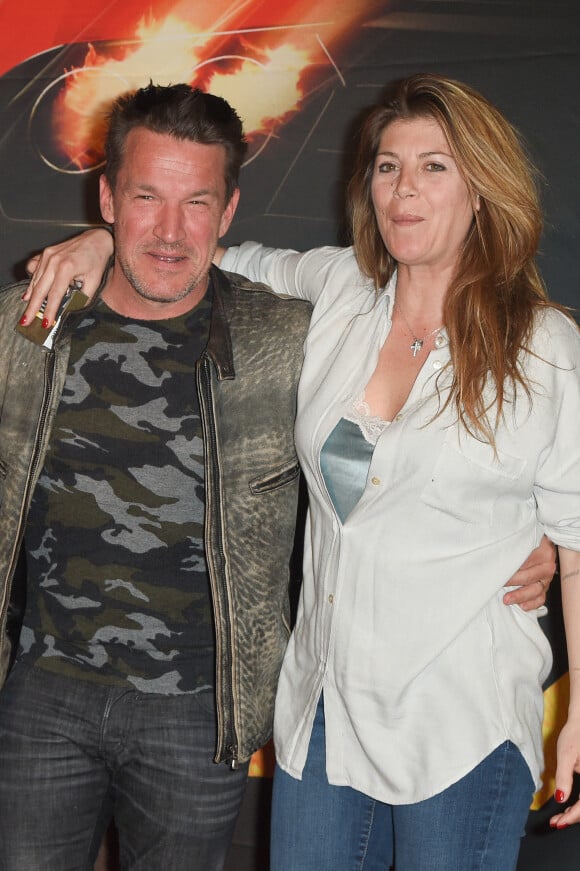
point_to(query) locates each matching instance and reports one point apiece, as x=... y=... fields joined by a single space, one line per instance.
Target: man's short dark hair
x=182 y=112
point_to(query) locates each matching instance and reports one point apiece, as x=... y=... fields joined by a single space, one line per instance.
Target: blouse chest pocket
x=469 y=482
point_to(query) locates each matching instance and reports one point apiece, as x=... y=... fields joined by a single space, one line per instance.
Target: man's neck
x=122 y=298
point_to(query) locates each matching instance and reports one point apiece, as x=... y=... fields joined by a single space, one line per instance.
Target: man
x=165 y=407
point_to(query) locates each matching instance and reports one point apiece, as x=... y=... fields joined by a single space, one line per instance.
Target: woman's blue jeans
x=474 y=825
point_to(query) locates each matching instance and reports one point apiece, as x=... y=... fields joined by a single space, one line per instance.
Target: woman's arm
x=569 y=739
x=83 y=257
x=305 y=275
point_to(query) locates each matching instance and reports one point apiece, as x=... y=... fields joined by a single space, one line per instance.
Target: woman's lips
x=406 y=219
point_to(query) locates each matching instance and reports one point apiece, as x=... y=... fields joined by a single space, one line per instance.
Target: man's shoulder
x=11 y=306
x=254 y=293
x=11 y=294
x=14 y=349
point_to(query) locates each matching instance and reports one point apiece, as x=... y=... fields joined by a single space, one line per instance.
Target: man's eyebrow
x=151 y=188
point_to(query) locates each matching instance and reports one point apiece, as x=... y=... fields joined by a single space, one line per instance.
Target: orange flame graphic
x=262 y=71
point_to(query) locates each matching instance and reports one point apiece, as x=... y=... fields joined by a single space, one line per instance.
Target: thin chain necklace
x=417 y=344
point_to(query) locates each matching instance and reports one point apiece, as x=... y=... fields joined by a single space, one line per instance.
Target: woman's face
x=422 y=204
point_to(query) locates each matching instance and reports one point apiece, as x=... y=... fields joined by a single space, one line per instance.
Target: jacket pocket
x=467 y=483
x=275 y=479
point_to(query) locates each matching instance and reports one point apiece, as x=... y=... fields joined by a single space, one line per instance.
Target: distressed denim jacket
x=247 y=381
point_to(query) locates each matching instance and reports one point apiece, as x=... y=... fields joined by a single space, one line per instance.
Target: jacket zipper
x=216 y=567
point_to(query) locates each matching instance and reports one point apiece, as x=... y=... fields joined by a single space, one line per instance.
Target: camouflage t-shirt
x=118 y=590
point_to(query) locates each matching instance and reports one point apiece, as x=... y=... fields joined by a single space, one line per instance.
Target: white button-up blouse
x=401 y=622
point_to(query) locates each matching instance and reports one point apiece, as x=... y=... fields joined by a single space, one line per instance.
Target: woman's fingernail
x=22 y=320
x=559 y=796
x=45 y=323
x=562 y=826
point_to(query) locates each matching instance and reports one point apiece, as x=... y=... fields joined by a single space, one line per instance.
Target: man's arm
x=533 y=578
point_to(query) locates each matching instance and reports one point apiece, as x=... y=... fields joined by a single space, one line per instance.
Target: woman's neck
x=420 y=294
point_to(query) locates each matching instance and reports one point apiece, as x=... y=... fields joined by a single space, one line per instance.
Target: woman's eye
x=386 y=167
x=435 y=167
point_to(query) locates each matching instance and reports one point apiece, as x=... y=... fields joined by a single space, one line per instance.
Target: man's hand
x=83 y=258
x=533 y=578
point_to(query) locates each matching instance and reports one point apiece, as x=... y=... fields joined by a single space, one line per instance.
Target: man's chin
x=165 y=299
x=166 y=294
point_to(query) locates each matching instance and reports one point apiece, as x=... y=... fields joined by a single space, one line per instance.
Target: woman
x=437 y=429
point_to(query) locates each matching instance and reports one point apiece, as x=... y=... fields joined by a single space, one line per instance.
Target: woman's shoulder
x=556 y=338
x=551 y=322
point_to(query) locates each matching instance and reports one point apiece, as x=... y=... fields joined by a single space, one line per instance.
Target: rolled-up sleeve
x=557 y=488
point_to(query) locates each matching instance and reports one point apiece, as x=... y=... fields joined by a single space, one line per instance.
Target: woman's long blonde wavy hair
x=496 y=290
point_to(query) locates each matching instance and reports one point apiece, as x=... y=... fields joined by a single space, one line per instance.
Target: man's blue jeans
x=73 y=753
x=475 y=825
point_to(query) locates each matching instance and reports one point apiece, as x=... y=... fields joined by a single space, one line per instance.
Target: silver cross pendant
x=416 y=346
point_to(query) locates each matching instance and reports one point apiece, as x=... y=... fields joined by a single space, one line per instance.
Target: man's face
x=168 y=207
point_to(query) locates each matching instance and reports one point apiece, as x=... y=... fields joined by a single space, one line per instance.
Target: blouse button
x=331 y=599
x=375 y=481
x=437 y=364
x=399 y=417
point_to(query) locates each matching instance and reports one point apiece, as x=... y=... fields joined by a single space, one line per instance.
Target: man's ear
x=106 y=200
x=229 y=212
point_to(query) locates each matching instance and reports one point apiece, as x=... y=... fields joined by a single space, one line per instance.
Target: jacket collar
x=219 y=346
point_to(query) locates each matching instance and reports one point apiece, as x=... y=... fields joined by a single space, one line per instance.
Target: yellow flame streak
x=265 y=91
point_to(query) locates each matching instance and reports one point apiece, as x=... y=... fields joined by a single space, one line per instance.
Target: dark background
x=523 y=55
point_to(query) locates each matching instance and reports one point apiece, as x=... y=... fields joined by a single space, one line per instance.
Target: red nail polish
x=22 y=320
x=559 y=796
x=562 y=826
x=553 y=825
x=45 y=323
